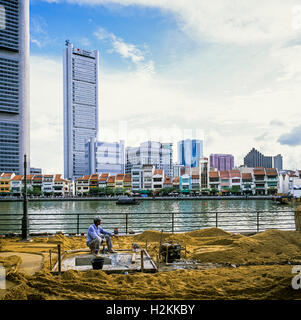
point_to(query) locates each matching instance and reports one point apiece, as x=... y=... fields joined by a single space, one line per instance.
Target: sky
x=226 y=72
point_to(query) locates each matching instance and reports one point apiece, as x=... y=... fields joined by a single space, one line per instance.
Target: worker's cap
x=97 y=219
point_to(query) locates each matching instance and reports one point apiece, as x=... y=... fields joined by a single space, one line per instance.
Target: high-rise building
x=256 y=159
x=189 y=152
x=150 y=153
x=80 y=106
x=204 y=172
x=222 y=162
x=104 y=157
x=278 y=162
x=14 y=85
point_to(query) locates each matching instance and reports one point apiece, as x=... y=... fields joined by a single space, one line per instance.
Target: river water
x=76 y=216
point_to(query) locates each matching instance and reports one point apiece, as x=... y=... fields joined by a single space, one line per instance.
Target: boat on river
x=127 y=200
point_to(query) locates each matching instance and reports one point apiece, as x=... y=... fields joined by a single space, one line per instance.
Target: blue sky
x=226 y=72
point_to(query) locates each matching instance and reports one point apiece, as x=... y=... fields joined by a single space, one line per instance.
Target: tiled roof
x=83 y=178
x=235 y=173
x=259 y=171
x=213 y=174
x=104 y=175
x=176 y=180
x=6 y=175
x=167 y=180
x=195 y=176
x=127 y=178
x=271 y=172
x=246 y=176
x=48 y=176
x=58 y=178
x=111 y=179
x=120 y=176
x=224 y=174
x=158 y=171
x=17 y=178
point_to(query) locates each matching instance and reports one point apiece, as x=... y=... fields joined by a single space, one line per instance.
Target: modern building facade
x=80 y=106
x=278 y=162
x=204 y=172
x=104 y=157
x=151 y=153
x=222 y=162
x=189 y=152
x=256 y=159
x=14 y=85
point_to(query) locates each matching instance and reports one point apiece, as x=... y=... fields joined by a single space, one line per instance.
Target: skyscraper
x=222 y=162
x=189 y=152
x=278 y=162
x=80 y=106
x=104 y=157
x=256 y=159
x=150 y=152
x=14 y=85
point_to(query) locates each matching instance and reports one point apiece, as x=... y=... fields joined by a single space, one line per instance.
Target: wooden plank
x=134 y=257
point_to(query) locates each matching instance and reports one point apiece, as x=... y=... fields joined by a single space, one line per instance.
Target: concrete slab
x=119 y=262
x=85 y=260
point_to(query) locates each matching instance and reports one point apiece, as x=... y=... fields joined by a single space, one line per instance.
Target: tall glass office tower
x=150 y=152
x=104 y=157
x=14 y=85
x=189 y=152
x=80 y=107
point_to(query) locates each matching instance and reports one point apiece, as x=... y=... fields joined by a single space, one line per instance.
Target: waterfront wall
x=11 y=199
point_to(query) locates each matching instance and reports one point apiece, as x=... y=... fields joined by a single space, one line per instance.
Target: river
x=231 y=215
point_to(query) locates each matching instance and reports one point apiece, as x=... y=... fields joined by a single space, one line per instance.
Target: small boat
x=283 y=200
x=127 y=201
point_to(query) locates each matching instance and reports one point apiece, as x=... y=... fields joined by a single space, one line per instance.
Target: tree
x=235 y=189
x=214 y=191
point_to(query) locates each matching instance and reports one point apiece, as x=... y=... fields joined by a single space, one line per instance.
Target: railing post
x=126 y=223
x=216 y=223
x=172 y=222
x=59 y=258
x=257 y=221
x=78 y=223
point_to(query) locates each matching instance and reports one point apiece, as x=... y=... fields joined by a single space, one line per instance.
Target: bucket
x=97 y=263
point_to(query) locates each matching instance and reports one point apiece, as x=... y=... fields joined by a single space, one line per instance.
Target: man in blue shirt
x=96 y=236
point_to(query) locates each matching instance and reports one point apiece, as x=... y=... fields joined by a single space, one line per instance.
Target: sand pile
x=11 y=263
x=256 y=282
x=241 y=281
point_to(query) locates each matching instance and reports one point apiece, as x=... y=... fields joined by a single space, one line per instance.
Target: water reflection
x=154 y=215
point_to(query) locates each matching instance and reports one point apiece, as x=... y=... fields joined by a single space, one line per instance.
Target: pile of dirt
x=10 y=263
x=256 y=282
x=249 y=277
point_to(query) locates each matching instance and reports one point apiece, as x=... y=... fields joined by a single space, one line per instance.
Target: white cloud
x=46 y=114
x=190 y=95
x=126 y=50
x=239 y=22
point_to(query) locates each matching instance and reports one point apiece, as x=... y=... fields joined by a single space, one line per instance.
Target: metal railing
x=128 y=222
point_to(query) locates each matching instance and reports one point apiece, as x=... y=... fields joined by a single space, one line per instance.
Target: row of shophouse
x=145 y=178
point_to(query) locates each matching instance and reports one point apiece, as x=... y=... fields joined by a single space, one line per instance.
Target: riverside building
x=80 y=107
x=256 y=159
x=222 y=162
x=14 y=85
x=104 y=157
x=150 y=153
x=189 y=152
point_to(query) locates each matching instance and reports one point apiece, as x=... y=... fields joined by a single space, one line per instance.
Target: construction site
x=203 y=264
